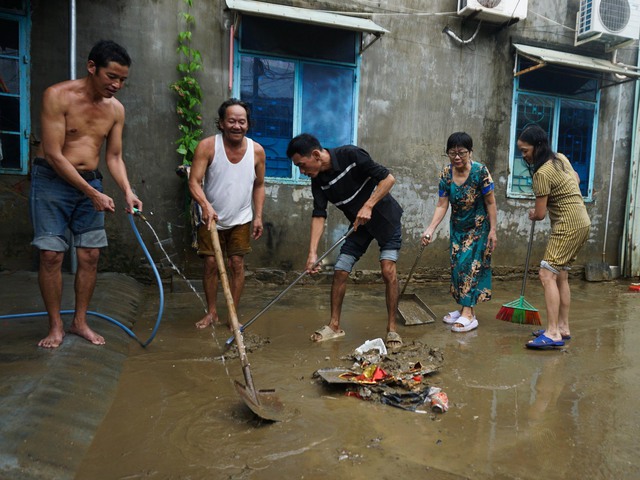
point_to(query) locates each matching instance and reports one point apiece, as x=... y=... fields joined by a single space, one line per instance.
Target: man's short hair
x=303 y=145
x=222 y=110
x=106 y=51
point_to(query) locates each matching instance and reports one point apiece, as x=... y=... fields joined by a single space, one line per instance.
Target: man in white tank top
x=227 y=182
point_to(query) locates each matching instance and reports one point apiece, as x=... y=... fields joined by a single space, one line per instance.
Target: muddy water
x=514 y=413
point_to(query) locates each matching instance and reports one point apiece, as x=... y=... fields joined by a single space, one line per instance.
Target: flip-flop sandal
x=325 y=333
x=393 y=341
x=467 y=325
x=451 y=317
x=542 y=342
x=537 y=333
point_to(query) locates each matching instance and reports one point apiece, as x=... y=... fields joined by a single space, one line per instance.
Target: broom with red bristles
x=521 y=311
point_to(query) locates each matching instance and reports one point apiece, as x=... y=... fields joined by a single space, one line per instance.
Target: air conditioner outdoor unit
x=496 y=11
x=612 y=21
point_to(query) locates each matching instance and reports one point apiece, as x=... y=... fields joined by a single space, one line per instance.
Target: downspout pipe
x=72 y=39
x=613 y=160
x=630 y=260
x=73 y=34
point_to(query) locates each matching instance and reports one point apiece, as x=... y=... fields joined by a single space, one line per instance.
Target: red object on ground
x=634 y=287
x=439 y=402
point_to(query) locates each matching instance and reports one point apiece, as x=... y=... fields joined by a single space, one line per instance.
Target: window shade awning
x=306 y=15
x=544 y=57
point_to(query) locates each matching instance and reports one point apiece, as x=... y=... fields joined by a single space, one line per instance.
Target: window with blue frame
x=14 y=95
x=296 y=78
x=565 y=104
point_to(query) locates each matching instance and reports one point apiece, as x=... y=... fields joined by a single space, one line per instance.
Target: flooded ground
x=514 y=413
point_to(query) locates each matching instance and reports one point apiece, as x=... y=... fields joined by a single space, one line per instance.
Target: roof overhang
x=306 y=15
x=543 y=57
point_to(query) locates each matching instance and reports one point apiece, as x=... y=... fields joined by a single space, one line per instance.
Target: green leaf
x=187 y=89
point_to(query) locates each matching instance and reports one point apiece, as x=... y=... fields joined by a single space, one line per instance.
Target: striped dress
x=568 y=215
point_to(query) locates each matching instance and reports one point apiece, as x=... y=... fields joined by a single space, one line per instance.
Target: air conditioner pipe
x=450 y=32
x=615 y=61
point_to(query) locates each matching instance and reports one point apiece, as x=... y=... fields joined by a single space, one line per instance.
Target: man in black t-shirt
x=349 y=178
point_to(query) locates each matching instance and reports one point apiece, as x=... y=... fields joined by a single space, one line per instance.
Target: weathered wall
x=417 y=86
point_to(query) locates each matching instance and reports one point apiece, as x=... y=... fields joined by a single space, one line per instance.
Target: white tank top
x=229 y=186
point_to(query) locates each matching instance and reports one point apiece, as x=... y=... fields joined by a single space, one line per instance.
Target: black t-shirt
x=353 y=177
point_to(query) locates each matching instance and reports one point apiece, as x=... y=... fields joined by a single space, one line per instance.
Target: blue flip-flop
x=537 y=333
x=542 y=341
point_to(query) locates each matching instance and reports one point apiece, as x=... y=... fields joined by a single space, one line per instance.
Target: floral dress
x=469 y=232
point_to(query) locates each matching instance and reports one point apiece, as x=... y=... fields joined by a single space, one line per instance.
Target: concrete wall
x=417 y=86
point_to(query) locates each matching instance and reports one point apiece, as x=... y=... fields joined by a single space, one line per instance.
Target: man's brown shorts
x=233 y=241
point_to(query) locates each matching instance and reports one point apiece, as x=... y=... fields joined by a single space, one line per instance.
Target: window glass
x=325 y=99
x=575 y=137
x=531 y=110
x=296 y=78
x=9 y=75
x=9 y=113
x=564 y=104
x=13 y=6
x=9 y=151
x=302 y=40
x=13 y=103
x=267 y=86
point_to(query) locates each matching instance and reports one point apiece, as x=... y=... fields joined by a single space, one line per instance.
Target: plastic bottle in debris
x=439 y=402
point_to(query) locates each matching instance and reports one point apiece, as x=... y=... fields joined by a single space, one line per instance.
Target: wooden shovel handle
x=222 y=271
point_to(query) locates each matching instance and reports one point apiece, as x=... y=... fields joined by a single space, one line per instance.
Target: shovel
x=281 y=294
x=264 y=403
x=411 y=309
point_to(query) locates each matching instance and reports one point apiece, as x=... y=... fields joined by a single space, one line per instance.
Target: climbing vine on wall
x=188 y=89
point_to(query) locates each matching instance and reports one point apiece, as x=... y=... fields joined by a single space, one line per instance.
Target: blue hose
x=105 y=317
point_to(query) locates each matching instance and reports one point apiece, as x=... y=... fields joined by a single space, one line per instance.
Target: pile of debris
x=400 y=379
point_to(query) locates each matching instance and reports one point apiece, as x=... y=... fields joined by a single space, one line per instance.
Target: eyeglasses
x=459 y=153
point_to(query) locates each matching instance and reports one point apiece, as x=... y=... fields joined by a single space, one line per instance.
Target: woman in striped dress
x=556 y=187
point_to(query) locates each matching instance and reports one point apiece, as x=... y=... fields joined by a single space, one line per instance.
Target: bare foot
x=86 y=333
x=53 y=340
x=208 y=319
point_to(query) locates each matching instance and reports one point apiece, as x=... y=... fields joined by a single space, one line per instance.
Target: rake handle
x=526 y=263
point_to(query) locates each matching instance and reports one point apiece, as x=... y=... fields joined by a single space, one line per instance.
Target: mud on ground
x=402 y=377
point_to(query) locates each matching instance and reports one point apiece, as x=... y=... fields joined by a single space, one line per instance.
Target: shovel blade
x=413 y=311
x=266 y=406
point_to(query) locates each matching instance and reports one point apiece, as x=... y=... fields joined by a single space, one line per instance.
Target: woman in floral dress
x=467 y=186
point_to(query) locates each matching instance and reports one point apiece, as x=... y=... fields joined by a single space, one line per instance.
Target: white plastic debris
x=375 y=344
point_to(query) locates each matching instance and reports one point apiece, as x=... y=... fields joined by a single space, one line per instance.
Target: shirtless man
x=66 y=190
x=232 y=167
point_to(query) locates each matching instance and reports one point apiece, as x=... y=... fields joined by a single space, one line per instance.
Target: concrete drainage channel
x=47 y=397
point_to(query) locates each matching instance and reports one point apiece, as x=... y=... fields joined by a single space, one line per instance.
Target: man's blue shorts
x=57 y=206
x=357 y=244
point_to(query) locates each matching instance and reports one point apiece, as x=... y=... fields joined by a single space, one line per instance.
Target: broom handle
x=526 y=263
